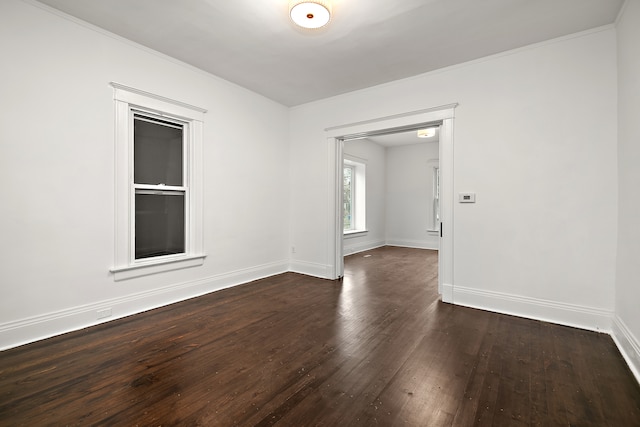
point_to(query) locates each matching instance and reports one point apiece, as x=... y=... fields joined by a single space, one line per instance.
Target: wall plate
x=467 y=197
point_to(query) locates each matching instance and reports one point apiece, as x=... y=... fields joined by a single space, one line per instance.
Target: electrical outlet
x=103 y=313
x=467 y=197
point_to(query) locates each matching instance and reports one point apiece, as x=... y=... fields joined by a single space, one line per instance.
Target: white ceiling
x=403 y=138
x=368 y=42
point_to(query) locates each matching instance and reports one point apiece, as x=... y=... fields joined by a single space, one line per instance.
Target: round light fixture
x=426 y=133
x=310 y=13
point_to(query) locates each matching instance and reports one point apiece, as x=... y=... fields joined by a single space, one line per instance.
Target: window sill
x=159 y=266
x=354 y=233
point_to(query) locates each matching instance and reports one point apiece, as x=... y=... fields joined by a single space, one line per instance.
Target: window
x=354 y=196
x=434 y=215
x=348 y=199
x=158 y=184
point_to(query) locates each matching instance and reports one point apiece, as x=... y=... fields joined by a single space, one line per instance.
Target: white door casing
x=336 y=136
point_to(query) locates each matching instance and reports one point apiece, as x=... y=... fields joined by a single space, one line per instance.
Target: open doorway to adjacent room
x=391 y=191
x=354 y=152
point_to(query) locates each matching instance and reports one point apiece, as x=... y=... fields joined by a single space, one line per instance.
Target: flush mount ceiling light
x=426 y=133
x=310 y=13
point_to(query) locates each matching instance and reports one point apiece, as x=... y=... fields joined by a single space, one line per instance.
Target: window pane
x=157 y=152
x=159 y=224
x=348 y=198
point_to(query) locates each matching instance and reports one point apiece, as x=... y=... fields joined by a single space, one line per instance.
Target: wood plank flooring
x=375 y=349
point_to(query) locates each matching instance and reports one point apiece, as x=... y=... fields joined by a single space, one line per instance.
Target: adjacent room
x=391 y=191
x=187 y=240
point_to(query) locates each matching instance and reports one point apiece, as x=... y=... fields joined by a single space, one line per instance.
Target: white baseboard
x=24 y=331
x=361 y=247
x=628 y=345
x=417 y=244
x=447 y=293
x=311 y=269
x=577 y=316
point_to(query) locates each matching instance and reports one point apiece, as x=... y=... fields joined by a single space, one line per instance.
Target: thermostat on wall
x=467 y=197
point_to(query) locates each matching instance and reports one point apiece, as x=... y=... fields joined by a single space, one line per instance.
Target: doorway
x=336 y=137
x=390 y=192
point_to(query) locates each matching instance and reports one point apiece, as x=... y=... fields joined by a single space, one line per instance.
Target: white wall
x=56 y=163
x=627 y=320
x=373 y=156
x=399 y=187
x=540 y=241
x=409 y=195
x=531 y=128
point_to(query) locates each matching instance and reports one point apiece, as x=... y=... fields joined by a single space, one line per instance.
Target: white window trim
x=354 y=233
x=125 y=264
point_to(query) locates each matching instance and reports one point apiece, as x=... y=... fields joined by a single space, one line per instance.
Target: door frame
x=337 y=135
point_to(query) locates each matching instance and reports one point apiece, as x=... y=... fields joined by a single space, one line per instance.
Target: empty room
x=210 y=218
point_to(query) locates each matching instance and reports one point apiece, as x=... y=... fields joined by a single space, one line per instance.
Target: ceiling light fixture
x=310 y=13
x=426 y=133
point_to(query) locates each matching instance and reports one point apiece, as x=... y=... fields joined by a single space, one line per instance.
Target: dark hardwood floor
x=377 y=348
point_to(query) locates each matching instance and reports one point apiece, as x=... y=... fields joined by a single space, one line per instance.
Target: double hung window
x=158 y=184
x=348 y=198
x=354 y=195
